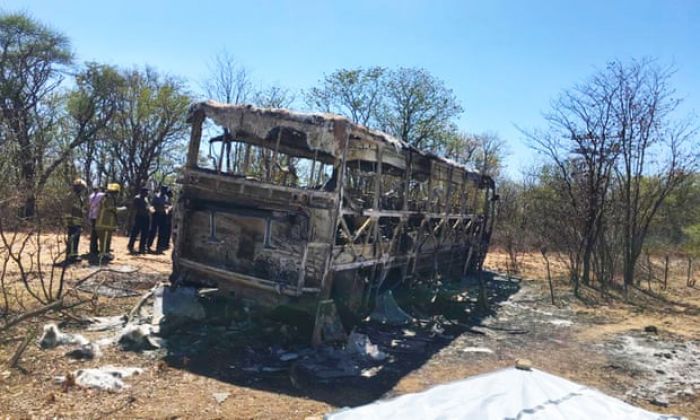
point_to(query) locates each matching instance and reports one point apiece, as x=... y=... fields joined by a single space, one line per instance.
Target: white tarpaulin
x=504 y=394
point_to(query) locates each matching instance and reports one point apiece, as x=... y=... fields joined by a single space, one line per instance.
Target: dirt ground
x=598 y=340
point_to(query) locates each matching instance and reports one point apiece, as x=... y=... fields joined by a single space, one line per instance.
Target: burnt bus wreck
x=313 y=212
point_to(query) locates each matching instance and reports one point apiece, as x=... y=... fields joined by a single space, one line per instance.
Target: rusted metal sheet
x=292 y=209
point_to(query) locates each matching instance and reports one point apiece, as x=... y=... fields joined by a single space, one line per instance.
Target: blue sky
x=505 y=60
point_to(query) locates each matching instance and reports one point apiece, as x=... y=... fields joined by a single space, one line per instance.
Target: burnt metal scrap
x=303 y=211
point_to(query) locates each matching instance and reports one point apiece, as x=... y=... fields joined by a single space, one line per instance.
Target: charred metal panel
x=300 y=208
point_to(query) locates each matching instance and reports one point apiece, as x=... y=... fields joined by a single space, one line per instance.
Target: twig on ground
x=9 y=340
x=505 y=330
x=34 y=312
x=137 y=308
x=21 y=348
x=59 y=304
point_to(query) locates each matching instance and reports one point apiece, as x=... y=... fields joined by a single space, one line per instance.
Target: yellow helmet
x=114 y=187
x=78 y=182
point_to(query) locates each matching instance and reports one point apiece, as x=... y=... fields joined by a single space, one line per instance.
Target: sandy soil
x=582 y=340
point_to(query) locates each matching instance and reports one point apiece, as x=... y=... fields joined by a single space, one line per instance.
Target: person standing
x=73 y=218
x=141 y=219
x=168 y=219
x=94 y=201
x=160 y=205
x=106 y=222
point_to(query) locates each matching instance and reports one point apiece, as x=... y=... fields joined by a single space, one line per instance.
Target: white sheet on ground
x=504 y=394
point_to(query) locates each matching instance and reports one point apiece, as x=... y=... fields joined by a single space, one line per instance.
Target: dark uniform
x=168 y=221
x=141 y=221
x=73 y=219
x=159 y=222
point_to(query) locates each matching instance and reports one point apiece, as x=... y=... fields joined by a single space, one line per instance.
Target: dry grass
x=167 y=392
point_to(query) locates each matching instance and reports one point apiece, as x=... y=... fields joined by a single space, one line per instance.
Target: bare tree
x=581 y=143
x=490 y=153
x=616 y=153
x=656 y=154
x=227 y=81
x=273 y=96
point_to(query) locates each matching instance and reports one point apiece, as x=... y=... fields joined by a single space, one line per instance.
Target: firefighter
x=106 y=222
x=73 y=219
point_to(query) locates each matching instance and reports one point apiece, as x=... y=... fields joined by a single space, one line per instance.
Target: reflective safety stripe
x=107 y=218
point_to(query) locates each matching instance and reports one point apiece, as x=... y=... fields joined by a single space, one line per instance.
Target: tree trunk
x=549 y=278
x=649 y=271
x=665 y=272
x=587 y=253
x=29 y=178
x=29 y=208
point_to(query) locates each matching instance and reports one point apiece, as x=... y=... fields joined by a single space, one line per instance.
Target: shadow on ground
x=273 y=357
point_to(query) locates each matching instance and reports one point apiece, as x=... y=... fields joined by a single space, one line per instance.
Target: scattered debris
x=371 y=372
x=53 y=337
x=106 y=378
x=220 y=397
x=668 y=367
x=285 y=357
x=107 y=323
x=652 y=329
x=136 y=337
x=327 y=328
x=87 y=351
x=523 y=364
x=177 y=304
x=561 y=322
x=477 y=350
x=361 y=345
x=388 y=312
x=136 y=310
x=117 y=284
x=408 y=333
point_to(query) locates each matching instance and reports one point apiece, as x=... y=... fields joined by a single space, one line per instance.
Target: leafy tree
x=417 y=107
x=485 y=152
x=149 y=128
x=90 y=108
x=355 y=93
x=408 y=103
x=33 y=58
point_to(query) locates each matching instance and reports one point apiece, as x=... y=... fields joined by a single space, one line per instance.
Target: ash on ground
x=666 y=367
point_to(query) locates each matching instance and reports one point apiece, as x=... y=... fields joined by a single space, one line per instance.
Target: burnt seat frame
x=350 y=261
